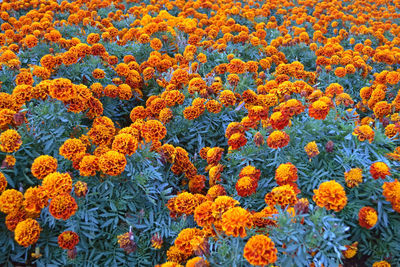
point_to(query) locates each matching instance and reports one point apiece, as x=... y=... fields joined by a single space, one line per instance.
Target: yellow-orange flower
x=89 y=165
x=112 y=163
x=153 y=130
x=367 y=217
x=35 y=199
x=246 y=186
x=57 y=183
x=353 y=177
x=3 y=182
x=68 y=239
x=364 y=132
x=260 y=250
x=318 y=110
x=278 y=139
x=235 y=221
x=63 y=206
x=381 y=264
x=351 y=250
x=284 y=195
x=379 y=170
x=10 y=141
x=330 y=195
x=10 y=200
x=27 y=232
x=72 y=148
x=43 y=166
x=311 y=149
x=125 y=144
x=185 y=203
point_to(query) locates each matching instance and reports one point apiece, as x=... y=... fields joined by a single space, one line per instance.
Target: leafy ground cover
x=199 y=133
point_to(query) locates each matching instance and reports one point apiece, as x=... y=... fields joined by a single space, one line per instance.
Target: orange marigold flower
x=236 y=66
x=27 y=232
x=156 y=241
x=311 y=149
x=214 y=155
x=250 y=171
x=353 y=177
x=43 y=166
x=62 y=89
x=10 y=141
x=340 y=72
x=112 y=163
x=184 y=240
x=80 y=189
x=330 y=195
x=197 y=85
x=98 y=74
x=227 y=98
x=351 y=250
x=10 y=200
x=15 y=217
x=215 y=191
x=382 y=109
x=185 y=203
x=57 y=183
x=126 y=242
x=283 y=195
x=286 y=173
x=153 y=130
x=203 y=214
x=379 y=170
x=278 y=139
x=246 y=186
x=364 y=132
x=156 y=44
x=125 y=143
x=88 y=165
x=174 y=255
x=68 y=240
x=260 y=250
x=381 y=264
x=71 y=148
x=235 y=221
x=318 y=110
x=197 y=261
x=63 y=206
x=367 y=217
x=3 y=182
x=391 y=191
x=278 y=121
x=222 y=204
x=237 y=140
x=35 y=199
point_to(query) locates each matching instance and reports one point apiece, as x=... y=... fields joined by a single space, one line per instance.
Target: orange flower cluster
x=260 y=250
x=331 y=196
x=68 y=240
x=367 y=217
x=391 y=191
x=379 y=170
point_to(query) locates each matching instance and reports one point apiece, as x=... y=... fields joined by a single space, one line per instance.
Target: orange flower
x=391 y=191
x=214 y=155
x=15 y=217
x=278 y=121
x=235 y=221
x=156 y=241
x=153 y=130
x=3 y=182
x=236 y=66
x=156 y=44
x=286 y=174
x=112 y=163
x=125 y=144
x=43 y=166
x=381 y=264
x=340 y=72
x=98 y=74
x=367 y=217
x=237 y=140
x=185 y=203
x=126 y=242
x=89 y=165
x=382 y=109
x=215 y=191
x=203 y=214
x=379 y=170
x=260 y=250
x=10 y=200
x=62 y=89
x=278 y=139
x=364 y=132
x=351 y=250
x=57 y=183
x=63 y=207
x=27 y=232
x=10 y=141
x=330 y=195
x=246 y=186
x=318 y=110
x=284 y=196
x=353 y=177
x=68 y=240
x=72 y=148
x=35 y=199
x=183 y=241
x=227 y=98
x=311 y=149
x=197 y=261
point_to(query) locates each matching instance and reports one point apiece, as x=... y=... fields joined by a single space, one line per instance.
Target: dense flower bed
x=200 y=133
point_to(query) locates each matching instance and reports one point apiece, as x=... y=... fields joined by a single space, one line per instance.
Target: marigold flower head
x=71 y=148
x=382 y=109
x=125 y=144
x=286 y=173
x=278 y=120
x=156 y=241
x=222 y=204
x=68 y=240
x=185 y=203
x=351 y=250
x=367 y=217
x=63 y=206
x=283 y=195
x=62 y=89
x=35 y=199
x=126 y=242
x=174 y=255
x=88 y=165
x=184 y=240
x=278 y=139
x=353 y=177
x=112 y=163
x=318 y=110
x=250 y=171
x=330 y=195
x=197 y=261
x=27 y=232
x=214 y=155
x=80 y=189
x=379 y=170
x=260 y=250
x=381 y=264
x=364 y=132
x=311 y=149
x=237 y=140
x=391 y=191
x=235 y=221
x=15 y=217
x=246 y=186
x=43 y=166
x=10 y=200
x=227 y=98
x=57 y=183
x=215 y=191
x=3 y=182
x=153 y=130
x=10 y=141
